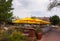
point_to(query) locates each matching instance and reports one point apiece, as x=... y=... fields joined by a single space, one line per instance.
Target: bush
x=13 y=36
x=17 y=36
x=38 y=30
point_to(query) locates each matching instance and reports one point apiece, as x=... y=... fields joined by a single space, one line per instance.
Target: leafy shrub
x=38 y=30
x=12 y=36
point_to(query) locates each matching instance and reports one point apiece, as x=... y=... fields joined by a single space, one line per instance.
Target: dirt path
x=53 y=35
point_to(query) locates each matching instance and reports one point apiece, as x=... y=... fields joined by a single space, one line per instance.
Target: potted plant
x=38 y=33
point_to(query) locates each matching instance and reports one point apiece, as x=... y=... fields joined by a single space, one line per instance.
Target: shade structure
x=45 y=22
x=19 y=21
x=39 y=21
x=16 y=21
x=42 y=21
x=30 y=21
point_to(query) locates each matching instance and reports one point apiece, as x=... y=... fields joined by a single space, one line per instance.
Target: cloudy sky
x=28 y=8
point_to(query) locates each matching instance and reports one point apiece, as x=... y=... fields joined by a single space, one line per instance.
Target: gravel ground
x=53 y=35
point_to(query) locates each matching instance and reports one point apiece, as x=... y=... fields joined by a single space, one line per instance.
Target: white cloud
x=24 y=8
x=19 y=10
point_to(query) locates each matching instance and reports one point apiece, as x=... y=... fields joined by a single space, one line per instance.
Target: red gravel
x=51 y=36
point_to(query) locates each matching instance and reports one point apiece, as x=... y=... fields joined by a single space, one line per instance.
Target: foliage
x=12 y=36
x=53 y=4
x=5 y=10
x=33 y=17
x=35 y=39
x=38 y=30
x=17 y=36
x=54 y=20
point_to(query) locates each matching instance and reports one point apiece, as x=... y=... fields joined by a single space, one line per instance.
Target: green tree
x=53 y=4
x=54 y=20
x=33 y=17
x=5 y=10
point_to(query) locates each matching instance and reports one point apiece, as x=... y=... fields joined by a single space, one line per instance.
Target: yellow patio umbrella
x=34 y=21
x=42 y=21
x=45 y=22
x=23 y=21
x=39 y=21
x=30 y=20
x=27 y=19
x=19 y=21
x=16 y=21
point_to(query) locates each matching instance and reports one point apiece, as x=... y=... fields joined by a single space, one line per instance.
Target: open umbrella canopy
x=45 y=22
x=16 y=21
x=19 y=21
x=30 y=21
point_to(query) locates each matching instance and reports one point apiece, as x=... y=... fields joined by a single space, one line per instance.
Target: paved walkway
x=53 y=35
